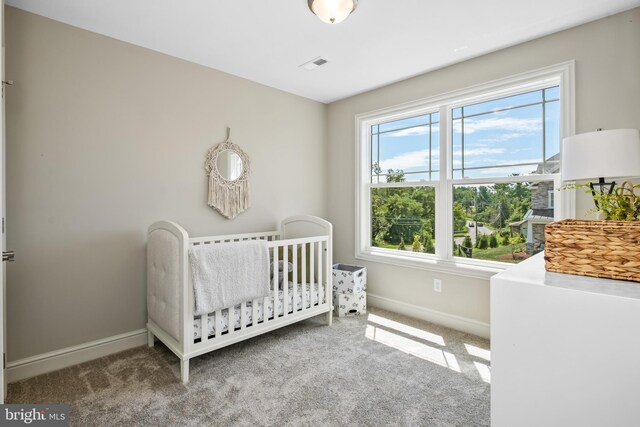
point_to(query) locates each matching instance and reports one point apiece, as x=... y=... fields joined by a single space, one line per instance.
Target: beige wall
x=103 y=138
x=607 y=55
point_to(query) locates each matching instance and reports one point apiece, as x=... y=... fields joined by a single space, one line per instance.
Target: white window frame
x=551 y=199
x=444 y=259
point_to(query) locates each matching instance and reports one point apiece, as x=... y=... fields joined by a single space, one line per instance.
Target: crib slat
x=275 y=283
x=265 y=301
x=285 y=281
x=231 y=312
x=328 y=289
x=243 y=316
x=254 y=312
x=320 y=256
x=304 y=276
x=218 y=323
x=312 y=275
x=204 y=328
x=295 y=278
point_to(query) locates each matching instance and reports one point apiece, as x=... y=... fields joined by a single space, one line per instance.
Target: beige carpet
x=375 y=370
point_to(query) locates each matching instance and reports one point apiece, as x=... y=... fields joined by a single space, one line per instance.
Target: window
x=404 y=152
x=465 y=179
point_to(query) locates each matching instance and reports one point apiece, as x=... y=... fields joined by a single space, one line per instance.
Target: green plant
x=417 y=246
x=401 y=246
x=483 y=242
x=429 y=246
x=493 y=241
x=505 y=235
x=620 y=205
x=467 y=243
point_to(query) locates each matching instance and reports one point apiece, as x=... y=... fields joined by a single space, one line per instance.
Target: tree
x=395 y=175
x=380 y=224
x=483 y=242
x=426 y=196
x=493 y=241
x=400 y=213
x=515 y=246
x=466 y=247
x=417 y=246
x=428 y=246
x=459 y=218
x=520 y=201
x=404 y=214
x=401 y=246
x=501 y=204
x=506 y=238
x=427 y=233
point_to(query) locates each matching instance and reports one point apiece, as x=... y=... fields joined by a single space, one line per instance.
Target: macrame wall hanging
x=228 y=169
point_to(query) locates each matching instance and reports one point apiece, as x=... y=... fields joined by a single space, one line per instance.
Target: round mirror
x=229 y=165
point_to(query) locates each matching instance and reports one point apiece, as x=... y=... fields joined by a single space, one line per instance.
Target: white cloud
x=481 y=151
x=504 y=137
x=467 y=162
x=500 y=124
x=419 y=130
x=509 y=162
x=406 y=161
x=420 y=158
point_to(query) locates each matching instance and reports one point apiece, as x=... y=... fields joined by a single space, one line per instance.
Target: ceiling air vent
x=314 y=63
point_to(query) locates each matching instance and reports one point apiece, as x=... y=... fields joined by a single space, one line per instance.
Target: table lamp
x=600 y=155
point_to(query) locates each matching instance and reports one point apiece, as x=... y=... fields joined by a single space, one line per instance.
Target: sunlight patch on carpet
x=484 y=371
x=409 y=330
x=478 y=352
x=412 y=347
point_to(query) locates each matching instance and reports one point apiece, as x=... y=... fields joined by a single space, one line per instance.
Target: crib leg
x=150 y=339
x=329 y=317
x=184 y=371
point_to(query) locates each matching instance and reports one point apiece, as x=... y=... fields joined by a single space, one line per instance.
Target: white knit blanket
x=226 y=274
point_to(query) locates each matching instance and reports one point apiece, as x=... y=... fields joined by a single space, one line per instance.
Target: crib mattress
x=211 y=320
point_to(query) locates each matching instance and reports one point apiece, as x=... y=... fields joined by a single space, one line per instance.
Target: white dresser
x=565 y=349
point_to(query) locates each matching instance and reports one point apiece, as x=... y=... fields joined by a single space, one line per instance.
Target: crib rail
x=310 y=290
x=267 y=235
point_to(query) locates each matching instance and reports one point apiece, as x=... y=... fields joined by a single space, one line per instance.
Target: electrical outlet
x=437 y=285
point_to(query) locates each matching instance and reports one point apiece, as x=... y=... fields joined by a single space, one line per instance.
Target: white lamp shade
x=332 y=11
x=604 y=154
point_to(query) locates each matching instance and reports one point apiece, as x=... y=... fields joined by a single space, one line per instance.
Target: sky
x=493 y=137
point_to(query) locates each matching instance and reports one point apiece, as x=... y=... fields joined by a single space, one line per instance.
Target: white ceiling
x=384 y=41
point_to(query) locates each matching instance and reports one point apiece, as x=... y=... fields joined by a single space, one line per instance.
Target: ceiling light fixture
x=332 y=11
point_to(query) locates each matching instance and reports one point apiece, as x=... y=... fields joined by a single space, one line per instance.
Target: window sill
x=478 y=269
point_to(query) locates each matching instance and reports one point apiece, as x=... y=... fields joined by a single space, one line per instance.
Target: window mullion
x=443 y=246
x=363 y=191
x=544 y=133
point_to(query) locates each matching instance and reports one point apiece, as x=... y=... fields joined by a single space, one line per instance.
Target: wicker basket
x=608 y=249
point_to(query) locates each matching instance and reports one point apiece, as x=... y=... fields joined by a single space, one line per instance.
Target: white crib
x=305 y=241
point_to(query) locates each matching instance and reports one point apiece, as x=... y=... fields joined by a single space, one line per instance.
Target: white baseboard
x=52 y=361
x=449 y=320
